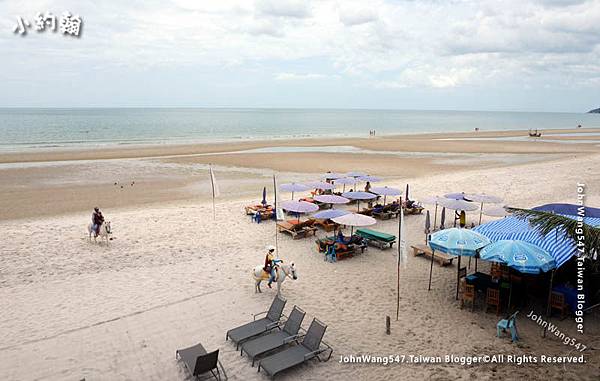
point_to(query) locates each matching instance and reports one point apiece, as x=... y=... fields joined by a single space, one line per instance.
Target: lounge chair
x=254 y=328
x=378 y=239
x=326 y=224
x=309 y=348
x=442 y=258
x=297 y=230
x=267 y=343
x=342 y=250
x=199 y=362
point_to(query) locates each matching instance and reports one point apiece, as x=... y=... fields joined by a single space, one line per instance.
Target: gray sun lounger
x=267 y=343
x=309 y=348
x=199 y=362
x=254 y=328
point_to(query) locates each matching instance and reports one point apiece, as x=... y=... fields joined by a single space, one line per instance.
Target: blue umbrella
x=264 y=200
x=520 y=255
x=456 y=242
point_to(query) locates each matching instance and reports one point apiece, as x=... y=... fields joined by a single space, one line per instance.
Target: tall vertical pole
x=275 y=204
x=549 y=308
x=398 y=265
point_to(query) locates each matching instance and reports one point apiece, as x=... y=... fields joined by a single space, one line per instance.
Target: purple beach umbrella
x=293 y=187
x=299 y=207
x=385 y=191
x=331 y=199
x=359 y=196
x=320 y=185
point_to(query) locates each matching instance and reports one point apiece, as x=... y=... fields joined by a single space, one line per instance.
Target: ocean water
x=36 y=128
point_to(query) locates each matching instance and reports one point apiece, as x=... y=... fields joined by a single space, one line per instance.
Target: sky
x=511 y=55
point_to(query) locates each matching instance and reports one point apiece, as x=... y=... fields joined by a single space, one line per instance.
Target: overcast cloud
x=429 y=54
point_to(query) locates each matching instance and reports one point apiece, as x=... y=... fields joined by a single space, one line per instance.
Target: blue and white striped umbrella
x=555 y=242
x=458 y=241
x=520 y=255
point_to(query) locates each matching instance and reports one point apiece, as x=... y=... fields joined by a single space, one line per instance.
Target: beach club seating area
x=510 y=284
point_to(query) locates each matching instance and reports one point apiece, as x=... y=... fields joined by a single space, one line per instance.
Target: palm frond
x=546 y=222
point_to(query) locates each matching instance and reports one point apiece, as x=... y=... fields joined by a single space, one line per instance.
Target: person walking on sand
x=97 y=221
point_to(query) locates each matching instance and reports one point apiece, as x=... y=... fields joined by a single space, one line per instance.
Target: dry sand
x=172 y=277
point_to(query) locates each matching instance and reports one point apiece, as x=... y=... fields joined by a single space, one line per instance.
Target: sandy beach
x=174 y=276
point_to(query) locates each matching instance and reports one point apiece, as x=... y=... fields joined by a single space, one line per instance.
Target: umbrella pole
x=398 y=266
x=510 y=289
x=458 y=276
x=431 y=267
x=358 y=206
x=475 y=264
x=480 y=212
x=292 y=195
x=549 y=308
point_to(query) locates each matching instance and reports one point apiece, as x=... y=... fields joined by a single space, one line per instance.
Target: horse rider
x=97 y=220
x=271 y=264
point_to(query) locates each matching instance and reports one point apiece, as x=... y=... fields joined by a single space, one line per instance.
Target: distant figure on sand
x=368 y=187
x=97 y=221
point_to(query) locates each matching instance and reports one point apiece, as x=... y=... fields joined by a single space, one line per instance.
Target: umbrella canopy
x=359 y=195
x=293 y=187
x=484 y=198
x=385 y=191
x=332 y=176
x=331 y=213
x=496 y=211
x=264 y=198
x=320 y=185
x=432 y=200
x=456 y=196
x=458 y=205
x=356 y=174
x=346 y=180
x=458 y=241
x=406 y=193
x=443 y=217
x=355 y=219
x=427 y=223
x=371 y=179
x=520 y=255
x=331 y=199
x=299 y=206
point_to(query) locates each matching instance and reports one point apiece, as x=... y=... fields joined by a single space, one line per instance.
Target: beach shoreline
x=50 y=183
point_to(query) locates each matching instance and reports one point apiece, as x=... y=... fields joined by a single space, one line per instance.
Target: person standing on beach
x=97 y=220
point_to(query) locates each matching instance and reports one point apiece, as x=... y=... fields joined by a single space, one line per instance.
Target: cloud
x=284 y=8
x=297 y=76
x=356 y=14
x=385 y=45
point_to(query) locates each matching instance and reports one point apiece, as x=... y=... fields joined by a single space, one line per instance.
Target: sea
x=25 y=129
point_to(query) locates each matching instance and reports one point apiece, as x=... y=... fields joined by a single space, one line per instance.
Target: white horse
x=283 y=271
x=105 y=231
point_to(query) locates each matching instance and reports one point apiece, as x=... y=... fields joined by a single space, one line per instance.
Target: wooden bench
x=442 y=258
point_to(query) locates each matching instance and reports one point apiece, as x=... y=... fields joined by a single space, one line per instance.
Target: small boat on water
x=535 y=133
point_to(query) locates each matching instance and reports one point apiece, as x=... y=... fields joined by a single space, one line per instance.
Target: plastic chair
x=509 y=324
